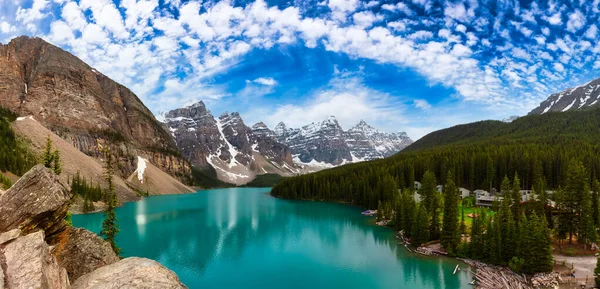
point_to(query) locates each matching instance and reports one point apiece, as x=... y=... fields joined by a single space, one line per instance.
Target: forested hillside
x=479 y=155
x=14 y=155
x=557 y=151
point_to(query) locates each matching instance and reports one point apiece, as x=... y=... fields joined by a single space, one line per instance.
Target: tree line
x=555 y=155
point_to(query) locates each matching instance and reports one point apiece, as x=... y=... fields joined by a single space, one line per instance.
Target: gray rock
x=27 y=263
x=37 y=201
x=81 y=251
x=9 y=236
x=130 y=273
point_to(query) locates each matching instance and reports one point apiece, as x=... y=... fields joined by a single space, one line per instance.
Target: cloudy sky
x=413 y=65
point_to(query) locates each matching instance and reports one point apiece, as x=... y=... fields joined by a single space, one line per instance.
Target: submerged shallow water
x=244 y=238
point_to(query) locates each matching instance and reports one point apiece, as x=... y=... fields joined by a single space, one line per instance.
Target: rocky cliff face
x=368 y=143
x=235 y=151
x=322 y=142
x=327 y=144
x=580 y=97
x=83 y=106
x=239 y=152
x=39 y=250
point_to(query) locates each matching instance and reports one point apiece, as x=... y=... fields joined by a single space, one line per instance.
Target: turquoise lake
x=244 y=238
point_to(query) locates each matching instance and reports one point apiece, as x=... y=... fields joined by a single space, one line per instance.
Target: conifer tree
x=420 y=232
x=490 y=173
x=430 y=199
x=450 y=237
x=407 y=217
x=56 y=163
x=110 y=227
x=463 y=226
x=477 y=236
x=48 y=155
x=596 y=202
x=516 y=197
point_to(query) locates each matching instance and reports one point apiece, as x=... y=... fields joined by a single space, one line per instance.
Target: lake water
x=244 y=238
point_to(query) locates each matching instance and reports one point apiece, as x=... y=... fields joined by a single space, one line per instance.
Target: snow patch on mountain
x=141 y=168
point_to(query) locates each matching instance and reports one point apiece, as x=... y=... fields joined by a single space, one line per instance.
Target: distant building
x=417 y=185
x=417 y=197
x=485 y=199
x=464 y=193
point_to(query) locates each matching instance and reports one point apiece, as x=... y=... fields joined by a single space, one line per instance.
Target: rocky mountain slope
x=239 y=153
x=83 y=106
x=146 y=178
x=39 y=250
x=326 y=144
x=225 y=143
x=577 y=98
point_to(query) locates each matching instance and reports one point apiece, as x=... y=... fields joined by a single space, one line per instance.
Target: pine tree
x=430 y=199
x=407 y=217
x=596 y=202
x=48 y=155
x=463 y=226
x=56 y=163
x=477 y=236
x=450 y=237
x=515 y=197
x=490 y=173
x=506 y=223
x=110 y=227
x=420 y=232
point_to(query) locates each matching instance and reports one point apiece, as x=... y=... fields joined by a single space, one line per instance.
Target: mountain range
x=239 y=153
x=581 y=97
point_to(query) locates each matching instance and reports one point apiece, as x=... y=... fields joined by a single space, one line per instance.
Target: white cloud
x=7 y=28
x=397 y=7
x=559 y=67
x=592 y=32
x=269 y=81
x=36 y=12
x=366 y=18
x=348 y=100
x=456 y=11
x=555 y=19
x=422 y=104
x=576 y=21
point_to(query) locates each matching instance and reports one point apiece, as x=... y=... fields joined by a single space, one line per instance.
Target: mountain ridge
x=239 y=152
x=83 y=106
x=580 y=97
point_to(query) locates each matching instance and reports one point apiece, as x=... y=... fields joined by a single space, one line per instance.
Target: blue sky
x=413 y=65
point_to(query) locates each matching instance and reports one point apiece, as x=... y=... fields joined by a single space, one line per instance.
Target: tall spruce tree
x=110 y=227
x=56 y=162
x=409 y=212
x=450 y=237
x=477 y=236
x=515 y=197
x=575 y=201
x=48 y=155
x=596 y=202
x=420 y=232
x=430 y=199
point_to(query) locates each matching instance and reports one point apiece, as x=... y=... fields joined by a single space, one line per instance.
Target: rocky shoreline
x=38 y=249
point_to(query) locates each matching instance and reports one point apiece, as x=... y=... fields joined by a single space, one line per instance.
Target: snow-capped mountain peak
x=580 y=97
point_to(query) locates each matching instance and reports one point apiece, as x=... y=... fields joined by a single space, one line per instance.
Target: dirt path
x=584 y=265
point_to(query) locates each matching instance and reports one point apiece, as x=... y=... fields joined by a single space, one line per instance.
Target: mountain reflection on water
x=243 y=237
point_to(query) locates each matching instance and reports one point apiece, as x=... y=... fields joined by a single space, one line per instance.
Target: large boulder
x=130 y=273
x=26 y=263
x=37 y=201
x=81 y=251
